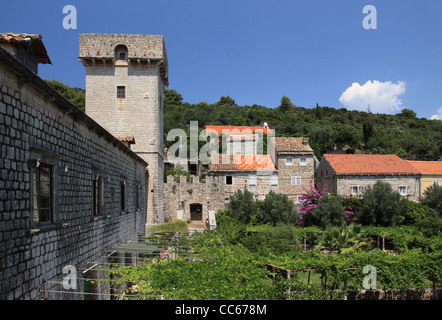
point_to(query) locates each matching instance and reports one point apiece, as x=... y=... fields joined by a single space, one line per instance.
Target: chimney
x=305 y=140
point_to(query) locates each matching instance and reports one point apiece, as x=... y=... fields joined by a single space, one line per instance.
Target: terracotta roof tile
x=129 y=139
x=427 y=167
x=237 y=129
x=223 y=163
x=32 y=40
x=292 y=144
x=242 y=163
x=255 y=162
x=368 y=163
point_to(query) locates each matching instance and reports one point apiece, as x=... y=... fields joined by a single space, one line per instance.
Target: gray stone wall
x=304 y=170
x=179 y=196
x=341 y=184
x=140 y=112
x=38 y=124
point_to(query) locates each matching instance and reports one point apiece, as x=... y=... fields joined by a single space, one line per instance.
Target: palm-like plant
x=343 y=239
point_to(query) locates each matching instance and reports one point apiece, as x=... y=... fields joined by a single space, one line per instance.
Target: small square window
x=295 y=181
x=354 y=190
x=229 y=180
x=274 y=180
x=436 y=182
x=121 y=92
x=303 y=162
x=252 y=180
x=402 y=191
x=289 y=161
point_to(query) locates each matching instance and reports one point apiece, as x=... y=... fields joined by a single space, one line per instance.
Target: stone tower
x=125 y=80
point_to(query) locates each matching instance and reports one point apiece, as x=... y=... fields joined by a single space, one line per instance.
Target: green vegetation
x=354 y=131
x=74 y=95
x=248 y=257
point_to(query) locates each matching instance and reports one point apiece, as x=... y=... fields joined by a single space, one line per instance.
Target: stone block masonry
x=125 y=80
x=67 y=221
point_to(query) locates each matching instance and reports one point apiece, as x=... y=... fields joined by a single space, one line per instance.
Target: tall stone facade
x=194 y=200
x=69 y=190
x=125 y=80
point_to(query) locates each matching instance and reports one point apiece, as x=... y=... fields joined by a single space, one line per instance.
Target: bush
x=229 y=229
x=329 y=212
x=243 y=206
x=278 y=239
x=382 y=206
x=417 y=212
x=277 y=208
x=433 y=198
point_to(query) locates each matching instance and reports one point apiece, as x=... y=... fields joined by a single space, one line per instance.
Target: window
x=121 y=52
x=43 y=210
x=229 y=180
x=402 y=191
x=123 y=196
x=300 y=199
x=274 y=180
x=252 y=180
x=354 y=190
x=436 y=182
x=289 y=161
x=303 y=162
x=295 y=180
x=97 y=195
x=121 y=92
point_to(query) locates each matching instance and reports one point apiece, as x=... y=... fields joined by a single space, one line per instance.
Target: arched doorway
x=196 y=212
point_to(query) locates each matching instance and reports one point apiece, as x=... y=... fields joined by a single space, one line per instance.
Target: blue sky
x=256 y=51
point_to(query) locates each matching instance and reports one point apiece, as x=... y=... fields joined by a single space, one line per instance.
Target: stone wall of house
x=411 y=182
x=144 y=74
x=342 y=184
x=210 y=194
x=37 y=126
x=296 y=168
x=260 y=187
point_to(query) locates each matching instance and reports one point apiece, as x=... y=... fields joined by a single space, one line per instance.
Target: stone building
x=125 y=80
x=348 y=174
x=69 y=190
x=295 y=162
x=431 y=172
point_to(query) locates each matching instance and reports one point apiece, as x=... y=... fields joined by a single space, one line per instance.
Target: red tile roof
x=369 y=163
x=34 y=41
x=255 y=162
x=236 y=129
x=128 y=139
x=292 y=144
x=242 y=163
x=427 y=167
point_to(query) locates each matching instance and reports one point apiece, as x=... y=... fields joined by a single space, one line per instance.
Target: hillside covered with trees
x=328 y=128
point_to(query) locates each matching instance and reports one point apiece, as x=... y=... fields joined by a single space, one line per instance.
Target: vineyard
x=217 y=264
x=317 y=255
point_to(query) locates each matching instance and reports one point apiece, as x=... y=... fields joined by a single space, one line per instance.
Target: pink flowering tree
x=310 y=200
x=331 y=213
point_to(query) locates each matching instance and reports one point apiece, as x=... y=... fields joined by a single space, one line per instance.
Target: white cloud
x=437 y=116
x=381 y=96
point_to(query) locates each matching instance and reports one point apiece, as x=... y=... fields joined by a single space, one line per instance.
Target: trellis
x=92 y=277
x=288 y=273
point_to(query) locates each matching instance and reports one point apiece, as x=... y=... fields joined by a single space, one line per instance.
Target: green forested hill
x=328 y=128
